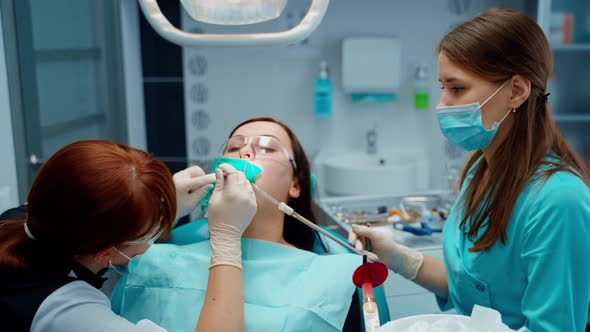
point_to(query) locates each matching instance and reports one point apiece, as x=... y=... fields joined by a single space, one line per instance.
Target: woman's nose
x=247 y=153
x=442 y=102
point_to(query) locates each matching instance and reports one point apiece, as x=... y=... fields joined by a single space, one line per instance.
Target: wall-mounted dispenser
x=371 y=65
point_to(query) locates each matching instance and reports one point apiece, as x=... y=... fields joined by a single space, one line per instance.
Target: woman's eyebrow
x=270 y=135
x=449 y=79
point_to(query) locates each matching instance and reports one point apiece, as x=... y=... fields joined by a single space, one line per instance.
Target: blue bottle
x=323 y=93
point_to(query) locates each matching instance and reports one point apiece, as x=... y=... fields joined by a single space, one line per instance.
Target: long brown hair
x=496 y=45
x=294 y=231
x=89 y=196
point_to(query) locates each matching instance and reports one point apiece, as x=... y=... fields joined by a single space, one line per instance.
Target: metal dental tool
x=290 y=212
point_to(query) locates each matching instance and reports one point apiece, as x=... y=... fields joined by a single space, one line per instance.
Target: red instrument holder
x=373 y=272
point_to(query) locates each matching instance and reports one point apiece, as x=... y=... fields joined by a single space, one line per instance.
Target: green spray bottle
x=421 y=95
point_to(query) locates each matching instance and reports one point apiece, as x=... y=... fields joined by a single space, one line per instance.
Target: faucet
x=372 y=140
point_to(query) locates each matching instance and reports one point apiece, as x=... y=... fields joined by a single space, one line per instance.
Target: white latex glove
x=191 y=185
x=231 y=208
x=398 y=258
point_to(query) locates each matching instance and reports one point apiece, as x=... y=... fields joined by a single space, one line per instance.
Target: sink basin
x=396 y=173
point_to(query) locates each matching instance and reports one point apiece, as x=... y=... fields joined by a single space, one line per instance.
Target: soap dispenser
x=421 y=97
x=323 y=92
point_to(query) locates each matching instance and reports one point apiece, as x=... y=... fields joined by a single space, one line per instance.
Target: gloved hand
x=398 y=258
x=231 y=208
x=191 y=185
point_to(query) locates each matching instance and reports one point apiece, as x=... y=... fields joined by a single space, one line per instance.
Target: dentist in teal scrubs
x=517 y=239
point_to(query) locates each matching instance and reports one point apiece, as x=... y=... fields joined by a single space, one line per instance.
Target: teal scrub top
x=540 y=278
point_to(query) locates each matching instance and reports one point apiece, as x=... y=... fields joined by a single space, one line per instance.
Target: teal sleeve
x=555 y=251
x=444 y=304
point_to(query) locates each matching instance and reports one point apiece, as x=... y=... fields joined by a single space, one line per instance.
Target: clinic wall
x=239 y=83
x=8 y=182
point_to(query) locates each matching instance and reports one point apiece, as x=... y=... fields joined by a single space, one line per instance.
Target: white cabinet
x=405 y=298
x=410 y=305
x=567 y=26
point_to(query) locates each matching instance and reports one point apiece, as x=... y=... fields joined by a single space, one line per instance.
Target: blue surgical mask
x=124 y=269
x=120 y=269
x=462 y=125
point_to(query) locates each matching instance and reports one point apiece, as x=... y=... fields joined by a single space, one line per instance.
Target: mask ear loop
x=122 y=254
x=493 y=94
x=507 y=113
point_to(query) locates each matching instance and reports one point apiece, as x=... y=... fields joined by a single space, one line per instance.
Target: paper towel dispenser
x=371 y=65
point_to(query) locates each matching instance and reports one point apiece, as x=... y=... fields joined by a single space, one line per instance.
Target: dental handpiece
x=370 y=309
x=286 y=209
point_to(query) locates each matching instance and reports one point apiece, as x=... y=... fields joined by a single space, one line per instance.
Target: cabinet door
x=411 y=305
x=406 y=298
x=65 y=58
x=567 y=26
x=396 y=285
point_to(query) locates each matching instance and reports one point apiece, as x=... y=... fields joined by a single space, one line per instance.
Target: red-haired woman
x=96 y=205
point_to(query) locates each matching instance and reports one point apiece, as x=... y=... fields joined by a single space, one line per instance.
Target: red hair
x=89 y=196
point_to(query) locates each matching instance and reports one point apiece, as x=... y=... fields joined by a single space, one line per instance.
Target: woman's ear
x=521 y=89
x=295 y=190
x=103 y=257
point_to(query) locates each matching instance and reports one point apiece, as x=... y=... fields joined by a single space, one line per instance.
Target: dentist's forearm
x=223 y=309
x=432 y=275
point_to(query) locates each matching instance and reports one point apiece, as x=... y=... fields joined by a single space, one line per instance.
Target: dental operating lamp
x=233 y=12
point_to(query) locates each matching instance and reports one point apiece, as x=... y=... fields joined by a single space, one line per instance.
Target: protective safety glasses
x=149 y=239
x=257 y=147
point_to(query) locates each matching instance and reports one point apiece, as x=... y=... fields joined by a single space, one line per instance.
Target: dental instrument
x=394 y=215
x=368 y=218
x=290 y=212
x=367 y=277
x=370 y=310
x=419 y=231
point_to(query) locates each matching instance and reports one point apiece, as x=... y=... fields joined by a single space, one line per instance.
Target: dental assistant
x=518 y=237
x=96 y=205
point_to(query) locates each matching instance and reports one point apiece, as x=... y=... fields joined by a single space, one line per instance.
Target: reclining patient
x=288 y=286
